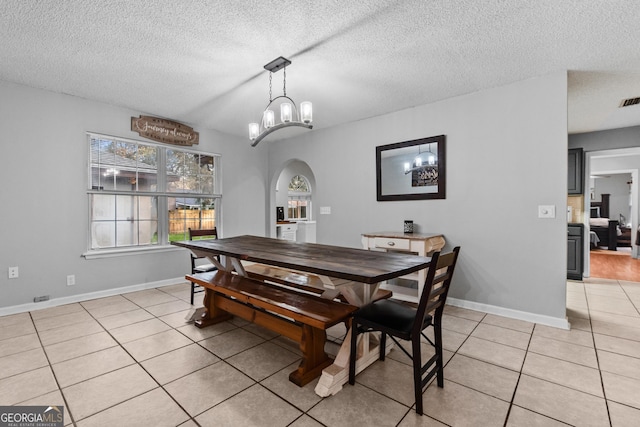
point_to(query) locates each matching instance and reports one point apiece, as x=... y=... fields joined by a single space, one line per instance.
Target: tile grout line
x=520 y=373
x=433 y=379
x=140 y=363
x=281 y=397
x=305 y=412
x=50 y=366
x=490 y=363
x=136 y=362
x=223 y=360
x=593 y=339
x=410 y=408
x=220 y=360
x=515 y=389
x=629 y=298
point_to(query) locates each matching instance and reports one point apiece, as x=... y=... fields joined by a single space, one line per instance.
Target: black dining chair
x=399 y=320
x=196 y=266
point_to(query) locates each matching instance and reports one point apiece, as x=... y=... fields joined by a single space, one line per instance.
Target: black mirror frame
x=440 y=194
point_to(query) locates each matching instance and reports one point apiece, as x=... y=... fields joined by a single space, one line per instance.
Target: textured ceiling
x=200 y=62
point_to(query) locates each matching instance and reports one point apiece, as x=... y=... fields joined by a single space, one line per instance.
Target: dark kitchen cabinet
x=575 y=175
x=575 y=251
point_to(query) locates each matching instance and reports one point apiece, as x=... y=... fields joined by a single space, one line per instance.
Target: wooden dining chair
x=197 y=266
x=402 y=321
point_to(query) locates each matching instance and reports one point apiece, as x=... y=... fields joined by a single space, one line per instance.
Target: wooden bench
x=302 y=317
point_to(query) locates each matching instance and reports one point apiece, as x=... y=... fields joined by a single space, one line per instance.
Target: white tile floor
x=131 y=360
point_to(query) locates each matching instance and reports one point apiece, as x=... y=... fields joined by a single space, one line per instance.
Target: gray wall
x=504 y=158
x=606 y=139
x=43 y=221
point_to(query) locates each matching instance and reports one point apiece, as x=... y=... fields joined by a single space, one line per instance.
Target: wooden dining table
x=354 y=273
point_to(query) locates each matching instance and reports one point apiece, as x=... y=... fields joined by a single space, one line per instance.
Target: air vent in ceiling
x=629 y=102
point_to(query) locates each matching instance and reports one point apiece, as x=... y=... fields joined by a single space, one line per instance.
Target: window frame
x=298 y=208
x=295 y=196
x=162 y=194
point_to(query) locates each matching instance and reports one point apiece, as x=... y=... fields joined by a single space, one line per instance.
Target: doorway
x=613 y=173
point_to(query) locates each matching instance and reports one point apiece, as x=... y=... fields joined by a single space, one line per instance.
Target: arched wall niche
x=279 y=185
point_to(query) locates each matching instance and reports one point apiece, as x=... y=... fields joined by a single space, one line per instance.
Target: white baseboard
x=513 y=314
x=4 y=311
x=487 y=308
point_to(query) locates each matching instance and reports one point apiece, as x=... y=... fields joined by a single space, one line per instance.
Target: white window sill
x=110 y=253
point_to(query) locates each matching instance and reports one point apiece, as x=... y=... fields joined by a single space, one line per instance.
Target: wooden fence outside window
x=180 y=220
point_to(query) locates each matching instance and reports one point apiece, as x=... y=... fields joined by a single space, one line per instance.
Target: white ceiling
x=200 y=62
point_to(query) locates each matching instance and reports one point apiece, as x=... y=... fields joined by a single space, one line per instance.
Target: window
x=146 y=195
x=299 y=198
x=298 y=209
x=299 y=184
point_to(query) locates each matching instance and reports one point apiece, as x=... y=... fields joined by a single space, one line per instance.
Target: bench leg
x=212 y=313
x=314 y=358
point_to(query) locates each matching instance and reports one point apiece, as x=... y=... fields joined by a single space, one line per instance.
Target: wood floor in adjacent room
x=615 y=265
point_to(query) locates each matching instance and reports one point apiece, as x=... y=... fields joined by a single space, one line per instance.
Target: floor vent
x=629 y=102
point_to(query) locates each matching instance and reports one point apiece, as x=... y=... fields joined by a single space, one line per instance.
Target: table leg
x=213 y=258
x=335 y=376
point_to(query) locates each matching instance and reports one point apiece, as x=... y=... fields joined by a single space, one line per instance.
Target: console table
x=409 y=287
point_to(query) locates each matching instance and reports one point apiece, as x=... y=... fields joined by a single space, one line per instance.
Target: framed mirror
x=411 y=170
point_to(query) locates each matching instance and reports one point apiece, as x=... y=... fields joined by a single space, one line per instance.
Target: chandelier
x=419 y=162
x=289 y=114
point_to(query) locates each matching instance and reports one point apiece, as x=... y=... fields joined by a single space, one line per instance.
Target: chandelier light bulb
x=418 y=161
x=286 y=112
x=407 y=167
x=269 y=119
x=431 y=159
x=306 y=112
x=254 y=131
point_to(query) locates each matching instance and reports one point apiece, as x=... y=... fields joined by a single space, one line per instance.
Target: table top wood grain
x=359 y=265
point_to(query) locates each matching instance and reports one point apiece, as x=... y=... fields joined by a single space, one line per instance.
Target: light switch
x=546 y=211
x=325 y=210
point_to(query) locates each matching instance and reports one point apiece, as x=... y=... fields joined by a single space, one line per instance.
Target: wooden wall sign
x=163 y=130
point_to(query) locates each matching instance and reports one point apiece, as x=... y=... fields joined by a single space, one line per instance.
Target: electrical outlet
x=71 y=280
x=13 y=272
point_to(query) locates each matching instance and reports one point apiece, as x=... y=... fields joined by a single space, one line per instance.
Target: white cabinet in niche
x=286 y=231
